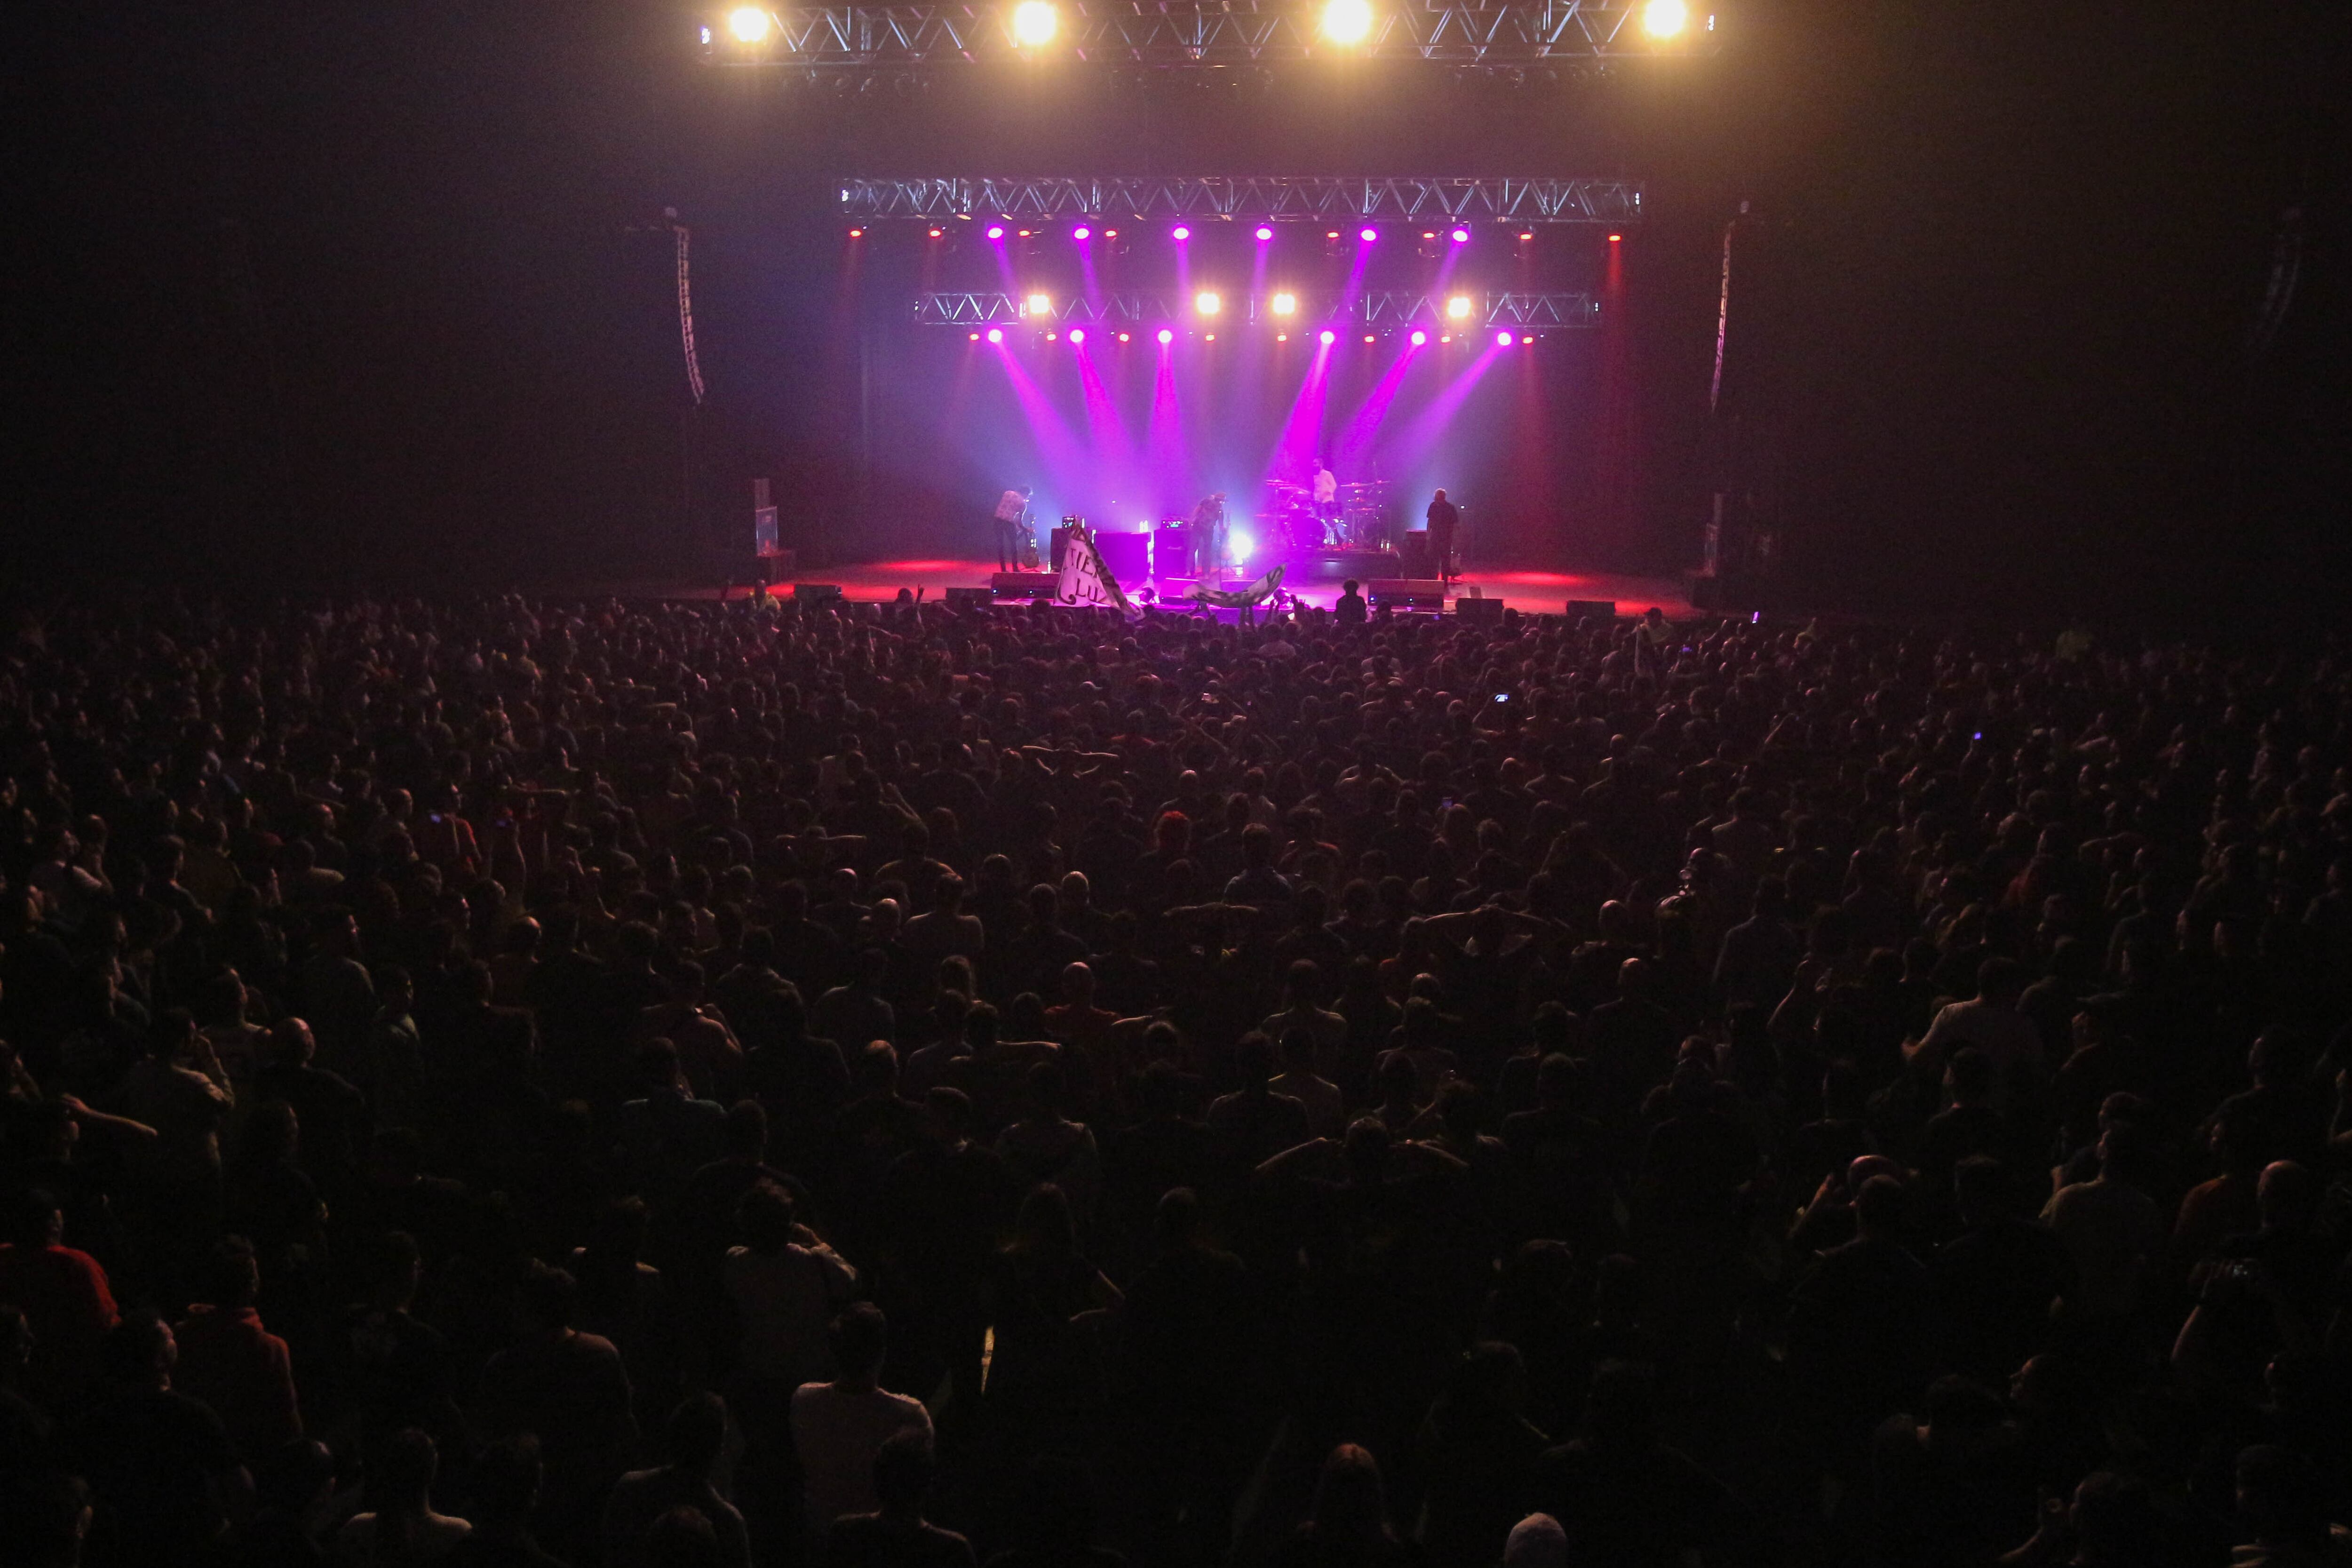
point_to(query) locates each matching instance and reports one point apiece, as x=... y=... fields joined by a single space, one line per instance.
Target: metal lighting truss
x=1377 y=309
x=1321 y=198
x=1173 y=34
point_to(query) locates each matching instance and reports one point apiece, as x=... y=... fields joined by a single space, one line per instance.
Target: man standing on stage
x=1209 y=534
x=1326 y=494
x=1443 y=518
x=1012 y=528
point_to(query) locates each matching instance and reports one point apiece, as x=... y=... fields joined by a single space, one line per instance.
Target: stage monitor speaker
x=1128 y=555
x=1478 y=612
x=1592 y=609
x=1407 y=592
x=969 y=598
x=816 y=592
x=1024 y=585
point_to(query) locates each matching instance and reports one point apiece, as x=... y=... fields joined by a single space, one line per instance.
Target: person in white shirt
x=1012 y=525
x=839 y=1426
x=784 y=1287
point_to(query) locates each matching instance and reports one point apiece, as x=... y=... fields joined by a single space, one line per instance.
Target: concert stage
x=1531 y=593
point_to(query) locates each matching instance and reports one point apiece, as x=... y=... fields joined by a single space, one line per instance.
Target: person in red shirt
x=63 y=1294
x=233 y=1364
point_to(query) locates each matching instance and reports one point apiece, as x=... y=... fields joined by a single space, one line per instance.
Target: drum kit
x=1359 y=522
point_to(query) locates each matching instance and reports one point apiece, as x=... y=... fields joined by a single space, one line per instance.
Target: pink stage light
x=1418 y=339
x=1329 y=337
x=1166 y=337
x=1503 y=340
x=1081 y=232
x=1181 y=232
x=1122 y=337
x=996 y=334
x=1368 y=235
x=1077 y=334
x=996 y=231
x=1263 y=232
x=1461 y=237
x=975 y=337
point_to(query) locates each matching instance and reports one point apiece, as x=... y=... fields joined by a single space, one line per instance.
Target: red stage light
x=936 y=232
x=1615 y=237
x=1526 y=235
x=857 y=234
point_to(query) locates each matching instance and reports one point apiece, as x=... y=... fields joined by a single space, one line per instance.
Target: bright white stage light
x=1122 y=337
x=1285 y=304
x=1329 y=337
x=1166 y=337
x=1039 y=305
x=1503 y=340
x=996 y=334
x=1665 y=18
x=1461 y=237
x=1263 y=232
x=1368 y=235
x=996 y=231
x=1457 y=309
x=1348 y=21
x=1241 y=544
x=1179 y=232
x=1034 y=23
x=1207 y=303
x=1081 y=232
x=1077 y=334
x=1418 y=339
x=748 y=24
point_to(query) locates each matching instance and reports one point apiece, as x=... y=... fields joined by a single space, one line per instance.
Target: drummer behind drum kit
x=1361 y=523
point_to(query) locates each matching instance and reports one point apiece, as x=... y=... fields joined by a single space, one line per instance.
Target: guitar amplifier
x=1415 y=558
x=1172 y=549
x=1024 y=585
x=1058 y=542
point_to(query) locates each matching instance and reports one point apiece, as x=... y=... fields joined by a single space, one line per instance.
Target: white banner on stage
x=1086 y=582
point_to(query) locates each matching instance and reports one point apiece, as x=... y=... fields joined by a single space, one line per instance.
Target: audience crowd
x=498 y=1082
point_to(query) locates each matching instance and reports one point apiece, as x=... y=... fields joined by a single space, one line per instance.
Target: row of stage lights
x=1209 y=304
x=1460 y=233
x=1346 y=23
x=1328 y=337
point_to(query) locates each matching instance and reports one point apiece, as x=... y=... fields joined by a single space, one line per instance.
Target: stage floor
x=1532 y=593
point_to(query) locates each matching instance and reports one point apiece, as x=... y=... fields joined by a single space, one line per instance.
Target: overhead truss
x=1176 y=35
x=1373 y=308
x=1303 y=198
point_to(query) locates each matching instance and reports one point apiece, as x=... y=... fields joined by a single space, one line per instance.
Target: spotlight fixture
x=1282 y=337
x=1110 y=234
x=857 y=234
x=1347 y=22
x=1367 y=337
x=1180 y=233
x=1503 y=340
x=1461 y=237
x=1420 y=338
x=1446 y=339
x=1207 y=303
x=1329 y=337
x=1616 y=238
x=1211 y=338
x=1526 y=236
x=1263 y=232
x=1053 y=337
x=1034 y=23
x=975 y=337
x=1166 y=337
x=1285 y=303
x=1025 y=234
x=1429 y=234
x=1039 y=305
x=1077 y=334
x=1081 y=232
x=1368 y=235
x=996 y=334
x=996 y=231
x=1333 y=233
x=1457 y=309
x=1122 y=337
x=749 y=24
x=938 y=233
x=1663 y=19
